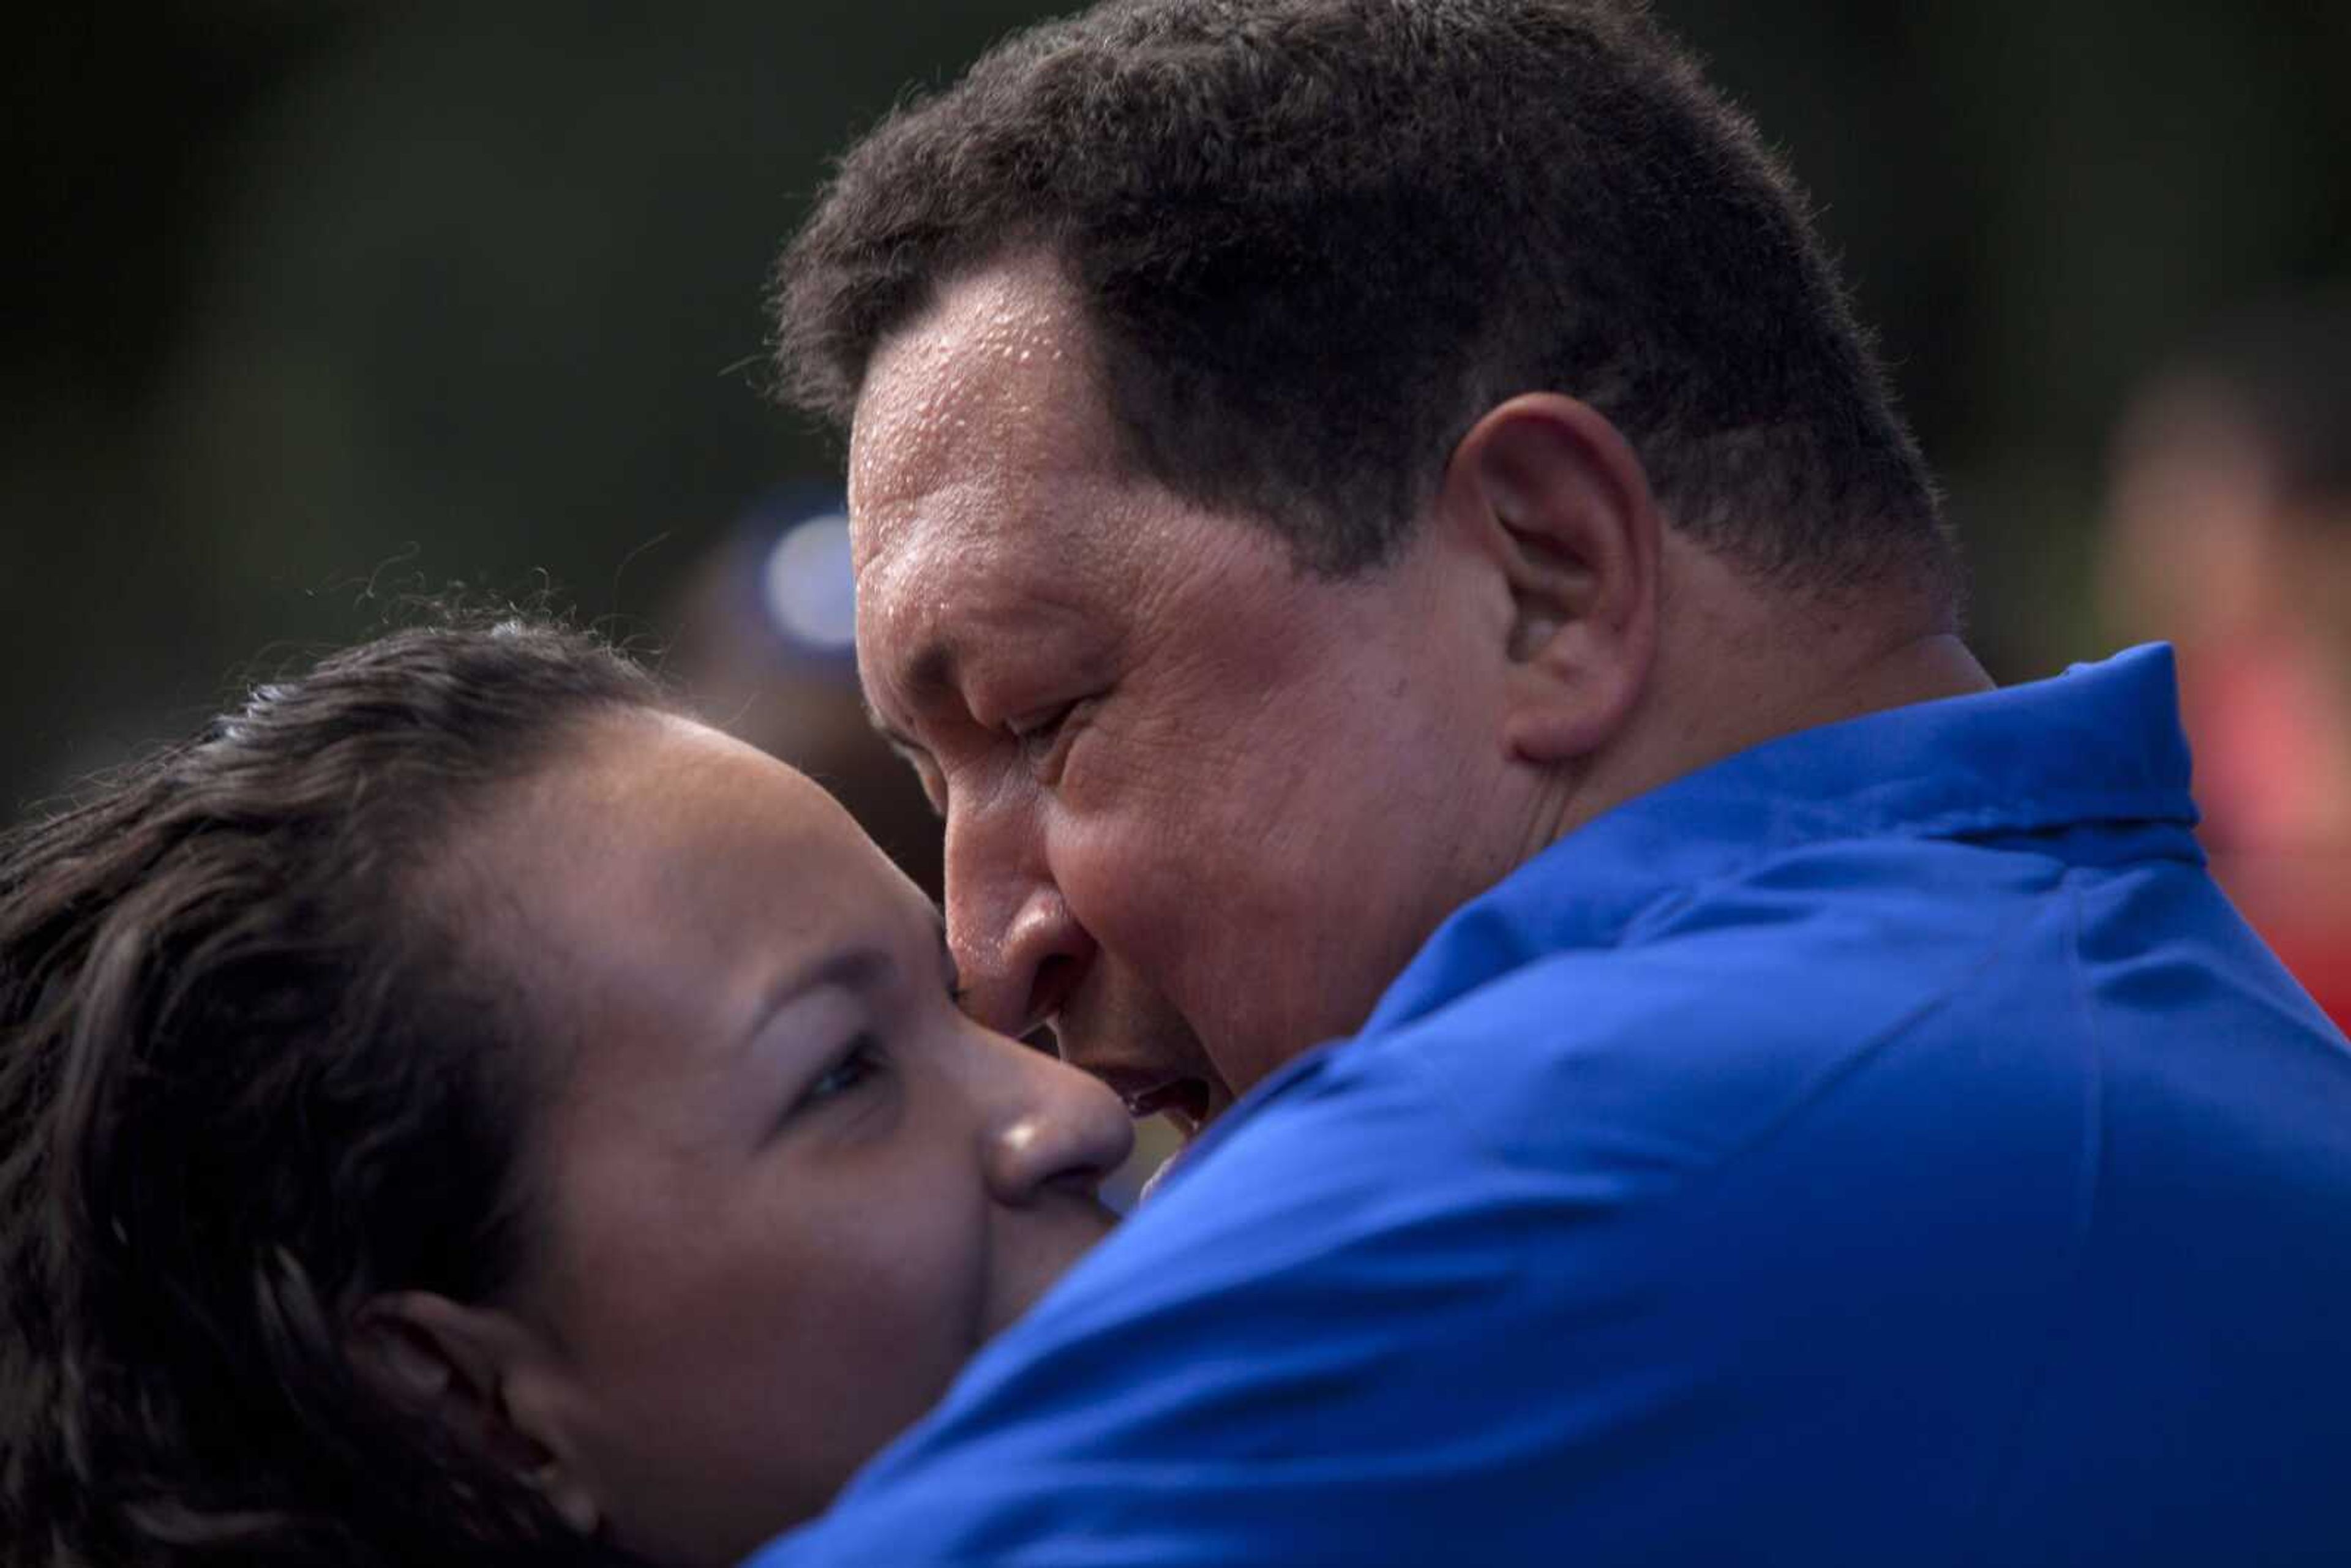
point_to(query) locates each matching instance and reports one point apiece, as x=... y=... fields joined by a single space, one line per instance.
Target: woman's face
x=788 y=1187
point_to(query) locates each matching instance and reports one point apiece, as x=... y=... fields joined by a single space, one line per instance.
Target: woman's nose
x=1055 y=1129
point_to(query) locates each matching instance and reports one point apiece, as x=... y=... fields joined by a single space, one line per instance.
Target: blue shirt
x=1885 y=1146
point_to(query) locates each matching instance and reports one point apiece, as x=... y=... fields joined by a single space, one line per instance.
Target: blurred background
x=318 y=302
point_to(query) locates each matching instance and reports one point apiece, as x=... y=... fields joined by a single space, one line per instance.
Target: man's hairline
x=1034 y=247
x=928 y=297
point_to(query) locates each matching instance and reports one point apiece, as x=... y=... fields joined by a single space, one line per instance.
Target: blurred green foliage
x=314 y=301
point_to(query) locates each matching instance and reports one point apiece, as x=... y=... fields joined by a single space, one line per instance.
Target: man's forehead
x=992 y=369
x=983 y=467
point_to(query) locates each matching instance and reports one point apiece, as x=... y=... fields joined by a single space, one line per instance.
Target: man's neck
x=1737 y=667
x=1924 y=667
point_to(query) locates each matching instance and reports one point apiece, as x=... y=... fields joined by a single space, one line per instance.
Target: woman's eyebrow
x=852 y=968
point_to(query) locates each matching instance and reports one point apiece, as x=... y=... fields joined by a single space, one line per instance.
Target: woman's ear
x=473 y=1372
x=1560 y=505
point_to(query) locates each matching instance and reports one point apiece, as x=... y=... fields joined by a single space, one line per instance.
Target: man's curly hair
x=250 y=1075
x=1317 y=239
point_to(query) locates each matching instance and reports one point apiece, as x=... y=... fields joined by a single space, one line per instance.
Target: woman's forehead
x=660 y=840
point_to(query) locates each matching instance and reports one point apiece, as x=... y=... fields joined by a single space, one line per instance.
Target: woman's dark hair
x=251 y=1073
x=1316 y=240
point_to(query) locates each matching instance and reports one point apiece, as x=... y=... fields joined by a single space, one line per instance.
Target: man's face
x=1200 y=809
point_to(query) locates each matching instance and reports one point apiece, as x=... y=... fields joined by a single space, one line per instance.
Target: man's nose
x=1052 y=1128
x=1018 y=951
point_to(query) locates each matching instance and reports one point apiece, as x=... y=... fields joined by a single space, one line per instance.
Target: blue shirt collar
x=2098 y=744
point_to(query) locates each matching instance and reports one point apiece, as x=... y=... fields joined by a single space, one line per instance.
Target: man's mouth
x=1185 y=1102
x=1144 y=1051
x=1186 y=1105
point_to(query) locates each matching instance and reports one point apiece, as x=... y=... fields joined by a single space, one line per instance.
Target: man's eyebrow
x=931 y=675
x=900 y=741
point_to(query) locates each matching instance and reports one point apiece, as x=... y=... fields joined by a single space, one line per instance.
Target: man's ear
x=1559 y=502
x=480 y=1374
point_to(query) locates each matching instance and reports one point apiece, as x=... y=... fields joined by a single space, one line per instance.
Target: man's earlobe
x=1566 y=512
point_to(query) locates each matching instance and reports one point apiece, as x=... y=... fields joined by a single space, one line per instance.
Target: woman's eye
x=860 y=1063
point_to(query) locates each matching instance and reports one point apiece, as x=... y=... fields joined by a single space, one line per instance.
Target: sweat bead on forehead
x=997 y=361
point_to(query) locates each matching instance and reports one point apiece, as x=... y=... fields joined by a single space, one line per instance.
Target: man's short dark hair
x=1317 y=239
